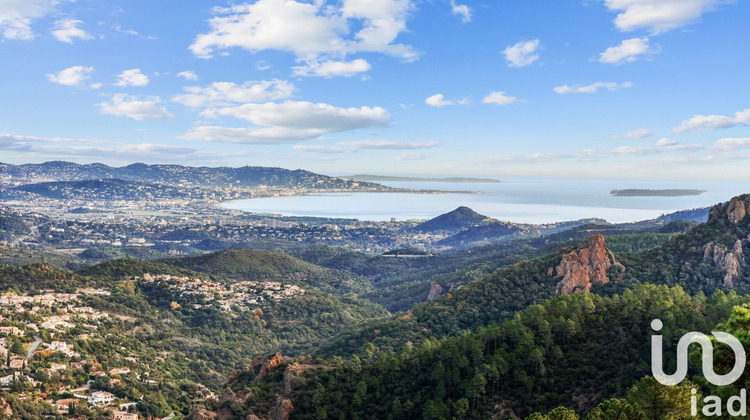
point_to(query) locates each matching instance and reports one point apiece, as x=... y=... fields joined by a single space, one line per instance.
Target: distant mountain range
x=246 y=176
x=385 y=178
x=655 y=193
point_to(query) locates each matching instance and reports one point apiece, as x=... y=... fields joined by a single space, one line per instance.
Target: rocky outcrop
x=281 y=410
x=435 y=291
x=268 y=365
x=585 y=266
x=5 y=409
x=728 y=262
x=735 y=210
x=291 y=371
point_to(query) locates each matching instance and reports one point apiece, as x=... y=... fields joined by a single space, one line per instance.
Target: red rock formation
x=268 y=366
x=585 y=266
x=281 y=410
x=435 y=291
x=5 y=409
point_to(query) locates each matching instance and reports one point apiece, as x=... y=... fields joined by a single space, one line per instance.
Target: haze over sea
x=516 y=199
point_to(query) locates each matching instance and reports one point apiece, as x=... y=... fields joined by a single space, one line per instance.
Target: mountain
x=456 y=220
x=175 y=175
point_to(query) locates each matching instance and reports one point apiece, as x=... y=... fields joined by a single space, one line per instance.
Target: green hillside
x=573 y=350
x=458 y=219
x=244 y=264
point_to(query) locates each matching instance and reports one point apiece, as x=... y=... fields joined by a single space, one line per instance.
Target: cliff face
x=585 y=266
x=735 y=210
x=435 y=291
x=281 y=410
x=725 y=260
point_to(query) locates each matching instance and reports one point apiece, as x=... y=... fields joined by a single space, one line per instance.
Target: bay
x=517 y=199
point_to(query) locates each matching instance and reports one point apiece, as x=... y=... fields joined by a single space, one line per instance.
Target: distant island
x=655 y=193
x=381 y=178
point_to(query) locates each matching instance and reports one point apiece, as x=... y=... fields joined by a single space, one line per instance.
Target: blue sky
x=612 y=88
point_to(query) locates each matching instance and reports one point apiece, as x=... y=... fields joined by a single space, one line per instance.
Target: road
x=34 y=345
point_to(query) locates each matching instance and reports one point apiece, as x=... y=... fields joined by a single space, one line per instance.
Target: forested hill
x=456 y=220
x=572 y=350
x=258 y=265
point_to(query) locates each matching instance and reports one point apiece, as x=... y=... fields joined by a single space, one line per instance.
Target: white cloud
x=117 y=27
x=498 y=98
x=59 y=147
x=66 y=30
x=227 y=93
x=319 y=117
x=628 y=51
x=16 y=16
x=713 y=122
x=438 y=100
x=309 y=30
x=7 y=139
x=638 y=133
x=243 y=135
x=355 y=146
x=333 y=68
x=461 y=10
x=522 y=54
x=71 y=76
x=132 y=77
x=592 y=88
x=188 y=75
x=123 y=105
x=731 y=143
x=659 y=16
x=665 y=142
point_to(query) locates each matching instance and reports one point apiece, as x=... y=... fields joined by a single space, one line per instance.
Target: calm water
x=517 y=199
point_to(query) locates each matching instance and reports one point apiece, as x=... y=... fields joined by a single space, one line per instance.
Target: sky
x=585 y=88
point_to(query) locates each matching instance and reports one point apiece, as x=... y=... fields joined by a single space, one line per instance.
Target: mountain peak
x=458 y=219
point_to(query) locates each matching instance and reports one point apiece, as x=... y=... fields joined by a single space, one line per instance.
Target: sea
x=536 y=200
